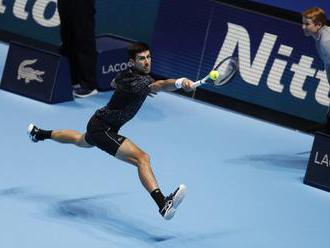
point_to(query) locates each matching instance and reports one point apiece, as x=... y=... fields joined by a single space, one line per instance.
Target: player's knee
x=143 y=159
x=81 y=142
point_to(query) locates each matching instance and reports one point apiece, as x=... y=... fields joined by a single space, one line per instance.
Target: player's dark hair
x=317 y=15
x=135 y=48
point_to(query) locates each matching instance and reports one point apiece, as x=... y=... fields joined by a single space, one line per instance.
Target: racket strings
x=226 y=69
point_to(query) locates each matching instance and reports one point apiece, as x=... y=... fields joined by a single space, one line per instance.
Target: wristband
x=178 y=83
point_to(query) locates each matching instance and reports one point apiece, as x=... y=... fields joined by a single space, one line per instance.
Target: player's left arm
x=172 y=85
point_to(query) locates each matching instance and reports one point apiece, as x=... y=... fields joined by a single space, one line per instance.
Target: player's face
x=142 y=62
x=309 y=27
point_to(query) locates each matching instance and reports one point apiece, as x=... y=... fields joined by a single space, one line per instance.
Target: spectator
x=314 y=24
x=78 y=43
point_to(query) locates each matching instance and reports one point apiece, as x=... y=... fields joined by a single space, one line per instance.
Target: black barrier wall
x=37 y=74
x=318 y=169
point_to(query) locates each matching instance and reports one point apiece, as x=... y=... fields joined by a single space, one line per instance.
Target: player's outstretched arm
x=172 y=85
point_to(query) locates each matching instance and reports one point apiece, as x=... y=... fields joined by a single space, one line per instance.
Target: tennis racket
x=226 y=69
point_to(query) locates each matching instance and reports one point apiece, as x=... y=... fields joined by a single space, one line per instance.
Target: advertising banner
x=318 y=169
x=279 y=66
x=37 y=74
x=39 y=19
x=112 y=58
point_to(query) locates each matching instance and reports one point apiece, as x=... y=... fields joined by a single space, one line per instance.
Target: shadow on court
x=96 y=211
x=266 y=161
x=108 y=219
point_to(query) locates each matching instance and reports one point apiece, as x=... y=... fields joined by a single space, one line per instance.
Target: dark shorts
x=103 y=136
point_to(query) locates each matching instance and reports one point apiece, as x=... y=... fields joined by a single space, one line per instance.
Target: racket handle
x=199 y=82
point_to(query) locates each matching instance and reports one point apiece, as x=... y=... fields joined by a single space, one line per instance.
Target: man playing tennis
x=132 y=87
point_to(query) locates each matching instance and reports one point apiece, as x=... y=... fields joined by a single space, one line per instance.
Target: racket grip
x=199 y=82
x=196 y=84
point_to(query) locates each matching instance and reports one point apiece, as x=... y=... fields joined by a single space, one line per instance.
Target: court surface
x=244 y=180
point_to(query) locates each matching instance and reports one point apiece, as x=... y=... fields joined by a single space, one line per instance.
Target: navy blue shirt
x=130 y=93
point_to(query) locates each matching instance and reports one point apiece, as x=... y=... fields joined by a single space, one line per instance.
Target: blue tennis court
x=244 y=179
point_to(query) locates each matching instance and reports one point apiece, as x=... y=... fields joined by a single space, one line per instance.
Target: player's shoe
x=33 y=132
x=172 y=202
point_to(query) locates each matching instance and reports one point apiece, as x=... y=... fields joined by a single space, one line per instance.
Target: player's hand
x=187 y=85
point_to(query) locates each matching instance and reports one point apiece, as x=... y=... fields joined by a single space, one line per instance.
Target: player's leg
x=107 y=139
x=71 y=137
x=132 y=154
x=62 y=136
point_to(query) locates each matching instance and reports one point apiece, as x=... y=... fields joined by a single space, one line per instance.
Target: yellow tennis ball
x=214 y=75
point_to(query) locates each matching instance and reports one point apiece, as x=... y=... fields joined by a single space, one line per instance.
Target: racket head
x=227 y=69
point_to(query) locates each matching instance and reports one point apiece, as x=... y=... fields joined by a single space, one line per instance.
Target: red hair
x=317 y=15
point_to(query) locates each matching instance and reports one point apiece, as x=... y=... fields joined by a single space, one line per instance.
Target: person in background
x=314 y=24
x=77 y=29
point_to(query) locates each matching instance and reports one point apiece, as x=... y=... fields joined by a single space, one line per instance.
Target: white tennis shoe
x=172 y=202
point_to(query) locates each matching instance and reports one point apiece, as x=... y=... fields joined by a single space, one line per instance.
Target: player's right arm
x=171 y=85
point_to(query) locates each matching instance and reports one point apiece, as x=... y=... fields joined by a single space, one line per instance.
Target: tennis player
x=132 y=87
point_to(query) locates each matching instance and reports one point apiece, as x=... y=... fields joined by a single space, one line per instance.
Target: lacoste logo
x=116 y=67
x=28 y=73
